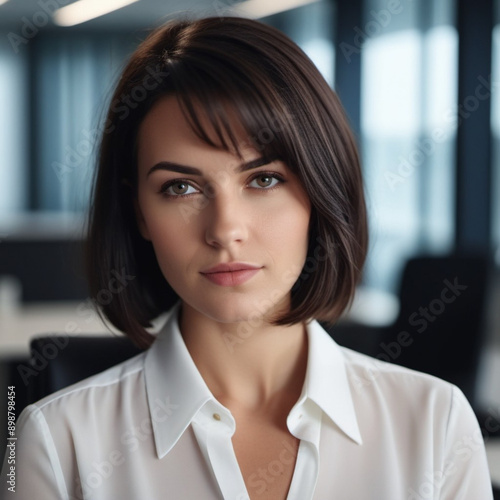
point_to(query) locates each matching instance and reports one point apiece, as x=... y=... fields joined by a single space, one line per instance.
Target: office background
x=420 y=83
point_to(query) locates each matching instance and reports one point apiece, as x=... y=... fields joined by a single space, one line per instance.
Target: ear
x=141 y=223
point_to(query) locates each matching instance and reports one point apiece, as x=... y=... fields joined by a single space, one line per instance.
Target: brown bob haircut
x=229 y=64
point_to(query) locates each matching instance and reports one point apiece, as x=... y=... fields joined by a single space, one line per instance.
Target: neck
x=244 y=366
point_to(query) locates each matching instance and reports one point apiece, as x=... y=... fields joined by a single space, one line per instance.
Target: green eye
x=265 y=181
x=180 y=188
x=177 y=189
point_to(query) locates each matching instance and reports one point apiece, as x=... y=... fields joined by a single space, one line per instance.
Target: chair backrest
x=60 y=360
x=442 y=311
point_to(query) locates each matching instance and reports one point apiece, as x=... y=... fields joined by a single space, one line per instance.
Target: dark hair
x=229 y=64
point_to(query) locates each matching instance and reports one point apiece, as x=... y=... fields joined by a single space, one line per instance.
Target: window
x=13 y=129
x=495 y=129
x=74 y=79
x=408 y=122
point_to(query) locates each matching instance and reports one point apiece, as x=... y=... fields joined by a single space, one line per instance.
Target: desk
x=19 y=324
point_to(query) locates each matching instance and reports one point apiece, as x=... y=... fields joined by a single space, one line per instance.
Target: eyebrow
x=185 y=169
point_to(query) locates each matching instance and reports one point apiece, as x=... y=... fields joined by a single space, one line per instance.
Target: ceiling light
x=84 y=10
x=263 y=8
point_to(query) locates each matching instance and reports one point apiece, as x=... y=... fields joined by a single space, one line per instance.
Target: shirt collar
x=326 y=381
x=172 y=380
x=176 y=390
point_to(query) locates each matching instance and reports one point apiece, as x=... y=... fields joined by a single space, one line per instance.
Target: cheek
x=287 y=232
x=169 y=248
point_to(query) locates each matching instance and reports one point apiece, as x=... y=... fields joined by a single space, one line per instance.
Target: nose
x=226 y=221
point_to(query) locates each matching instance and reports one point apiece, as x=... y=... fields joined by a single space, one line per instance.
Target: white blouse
x=149 y=428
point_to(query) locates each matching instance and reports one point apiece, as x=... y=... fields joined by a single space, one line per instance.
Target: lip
x=230 y=273
x=229 y=267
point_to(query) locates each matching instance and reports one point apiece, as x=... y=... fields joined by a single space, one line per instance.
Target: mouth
x=229 y=267
x=231 y=273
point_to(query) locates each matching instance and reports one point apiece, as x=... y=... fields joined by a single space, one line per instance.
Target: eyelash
x=274 y=175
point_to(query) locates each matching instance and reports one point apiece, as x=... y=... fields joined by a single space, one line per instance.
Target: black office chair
x=442 y=306
x=59 y=361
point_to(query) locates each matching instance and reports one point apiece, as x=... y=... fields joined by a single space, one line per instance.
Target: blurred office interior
x=420 y=84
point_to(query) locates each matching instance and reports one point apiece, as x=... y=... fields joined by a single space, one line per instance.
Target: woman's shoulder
x=99 y=390
x=403 y=392
x=381 y=386
x=365 y=372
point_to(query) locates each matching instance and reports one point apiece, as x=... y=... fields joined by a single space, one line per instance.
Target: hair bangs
x=220 y=103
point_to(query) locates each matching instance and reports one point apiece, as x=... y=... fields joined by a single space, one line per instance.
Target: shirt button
x=216 y=416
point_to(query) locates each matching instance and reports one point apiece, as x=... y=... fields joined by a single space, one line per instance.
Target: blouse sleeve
x=465 y=473
x=38 y=472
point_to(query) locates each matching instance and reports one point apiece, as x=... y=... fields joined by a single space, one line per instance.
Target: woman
x=229 y=189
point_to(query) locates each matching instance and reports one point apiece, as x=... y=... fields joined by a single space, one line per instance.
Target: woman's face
x=201 y=207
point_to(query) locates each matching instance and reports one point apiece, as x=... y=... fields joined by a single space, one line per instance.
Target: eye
x=265 y=180
x=177 y=188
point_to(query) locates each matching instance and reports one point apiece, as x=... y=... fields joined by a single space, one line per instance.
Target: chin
x=234 y=310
